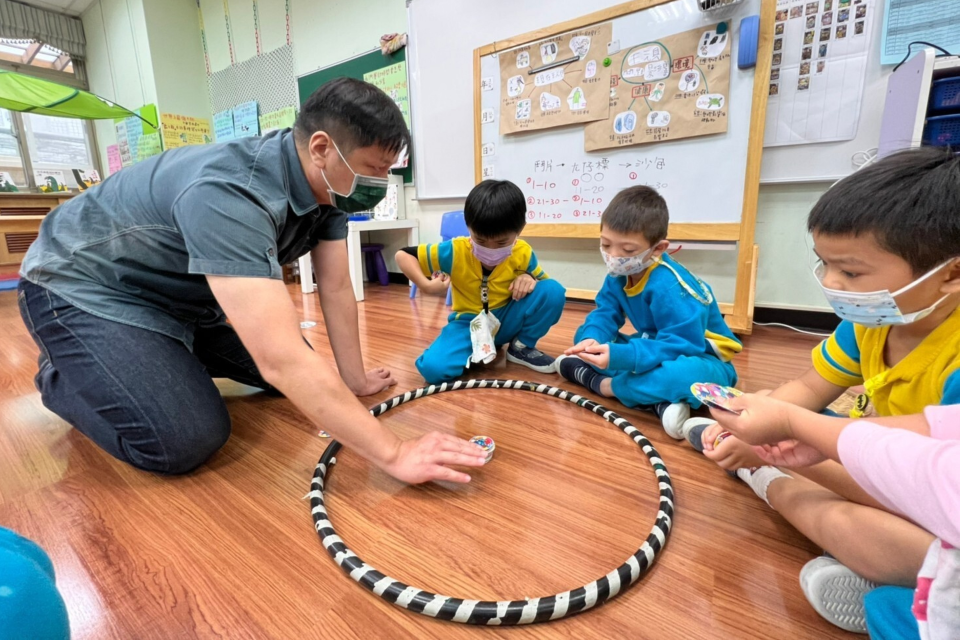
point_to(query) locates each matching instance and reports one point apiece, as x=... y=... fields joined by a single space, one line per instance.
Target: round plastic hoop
x=504 y=612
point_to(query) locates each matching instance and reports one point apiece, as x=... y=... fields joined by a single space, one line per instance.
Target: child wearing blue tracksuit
x=519 y=293
x=30 y=605
x=681 y=337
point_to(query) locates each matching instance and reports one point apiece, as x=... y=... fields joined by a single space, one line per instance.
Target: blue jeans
x=30 y=605
x=526 y=320
x=141 y=396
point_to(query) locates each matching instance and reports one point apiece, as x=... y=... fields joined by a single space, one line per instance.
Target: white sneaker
x=673 y=416
x=692 y=424
x=836 y=593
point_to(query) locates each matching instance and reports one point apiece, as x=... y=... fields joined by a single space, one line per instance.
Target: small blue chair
x=452 y=225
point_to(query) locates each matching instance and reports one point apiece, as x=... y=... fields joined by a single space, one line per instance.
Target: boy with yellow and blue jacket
x=681 y=337
x=491 y=262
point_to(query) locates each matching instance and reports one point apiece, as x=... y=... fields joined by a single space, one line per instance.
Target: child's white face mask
x=875 y=308
x=627 y=266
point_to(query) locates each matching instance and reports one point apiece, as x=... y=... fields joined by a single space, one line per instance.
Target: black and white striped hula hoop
x=504 y=612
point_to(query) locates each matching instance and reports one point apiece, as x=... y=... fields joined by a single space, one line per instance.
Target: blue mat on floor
x=9 y=285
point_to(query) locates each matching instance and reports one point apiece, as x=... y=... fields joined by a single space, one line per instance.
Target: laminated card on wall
x=557 y=81
x=666 y=89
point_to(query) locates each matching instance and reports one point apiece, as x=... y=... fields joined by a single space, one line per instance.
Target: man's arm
x=339 y=308
x=265 y=319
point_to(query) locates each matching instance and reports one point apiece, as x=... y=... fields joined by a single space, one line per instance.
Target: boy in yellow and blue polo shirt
x=520 y=294
x=927 y=375
x=888 y=240
x=680 y=337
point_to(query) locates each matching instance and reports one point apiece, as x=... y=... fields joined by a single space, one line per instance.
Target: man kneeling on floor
x=127 y=290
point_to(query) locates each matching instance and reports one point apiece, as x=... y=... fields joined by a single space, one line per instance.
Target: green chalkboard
x=353 y=68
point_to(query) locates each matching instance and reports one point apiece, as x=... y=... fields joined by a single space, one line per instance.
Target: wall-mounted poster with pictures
x=677 y=87
x=818 y=70
x=559 y=81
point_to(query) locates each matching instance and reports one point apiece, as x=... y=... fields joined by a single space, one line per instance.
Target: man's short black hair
x=494 y=208
x=640 y=210
x=909 y=201
x=356 y=114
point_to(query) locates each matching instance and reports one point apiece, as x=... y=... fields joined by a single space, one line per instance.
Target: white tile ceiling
x=69 y=7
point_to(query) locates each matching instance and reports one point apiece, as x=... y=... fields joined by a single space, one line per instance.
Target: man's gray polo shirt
x=135 y=249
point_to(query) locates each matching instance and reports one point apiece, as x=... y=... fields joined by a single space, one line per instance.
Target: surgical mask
x=365 y=193
x=627 y=266
x=875 y=308
x=491 y=257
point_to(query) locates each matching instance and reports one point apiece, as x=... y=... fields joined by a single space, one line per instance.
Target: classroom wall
x=176 y=51
x=119 y=65
x=324 y=32
x=145 y=52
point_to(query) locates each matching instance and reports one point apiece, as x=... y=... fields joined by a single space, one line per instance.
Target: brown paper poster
x=536 y=95
x=671 y=88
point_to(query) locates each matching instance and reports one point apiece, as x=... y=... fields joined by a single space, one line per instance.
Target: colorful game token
x=486 y=444
x=715 y=395
x=323 y=434
x=607 y=62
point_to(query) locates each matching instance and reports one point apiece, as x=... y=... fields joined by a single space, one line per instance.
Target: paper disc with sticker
x=504 y=612
x=715 y=395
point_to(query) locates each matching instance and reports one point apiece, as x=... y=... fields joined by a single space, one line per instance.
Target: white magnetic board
x=444 y=34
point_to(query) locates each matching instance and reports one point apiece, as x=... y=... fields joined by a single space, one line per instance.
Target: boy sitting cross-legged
x=680 y=337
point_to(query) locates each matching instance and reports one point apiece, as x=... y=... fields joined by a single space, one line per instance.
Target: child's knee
x=435 y=368
x=687 y=370
x=552 y=291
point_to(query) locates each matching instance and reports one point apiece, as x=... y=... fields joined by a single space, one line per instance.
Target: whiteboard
x=443 y=37
x=444 y=34
x=829 y=161
x=701 y=178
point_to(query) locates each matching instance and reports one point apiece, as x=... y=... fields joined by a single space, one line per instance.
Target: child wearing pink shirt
x=909 y=464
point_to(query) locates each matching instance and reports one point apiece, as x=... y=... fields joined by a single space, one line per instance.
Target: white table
x=354 y=255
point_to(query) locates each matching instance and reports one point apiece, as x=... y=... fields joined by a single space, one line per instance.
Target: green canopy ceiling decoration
x=19 y=92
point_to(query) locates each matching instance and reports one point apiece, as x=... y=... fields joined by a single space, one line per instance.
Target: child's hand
x=789 y=453
x=733 y=454
x=438 y=285
x=597 y=354
x=761 y=419
x=580 y=347
x=522 y=285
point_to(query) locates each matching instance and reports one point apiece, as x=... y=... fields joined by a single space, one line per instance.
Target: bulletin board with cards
x=817 y=72
x=643 y=93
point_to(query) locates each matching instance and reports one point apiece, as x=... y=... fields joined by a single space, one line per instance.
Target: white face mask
x=627 y=266
x=875 y=308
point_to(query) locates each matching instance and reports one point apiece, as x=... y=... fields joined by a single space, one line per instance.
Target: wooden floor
x=231 y=552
